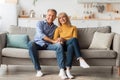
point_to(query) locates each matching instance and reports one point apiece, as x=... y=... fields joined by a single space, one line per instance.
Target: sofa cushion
x=17 y=40
x=89 y=53
x=101 y=40
x=86 y=53
x=85 y=35
x=23 y=53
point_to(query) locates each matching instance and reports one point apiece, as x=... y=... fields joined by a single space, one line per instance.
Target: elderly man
x=43 y=40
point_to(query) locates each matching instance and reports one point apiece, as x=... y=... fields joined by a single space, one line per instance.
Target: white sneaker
x=62 y=74
x=69 y=74
x=39 y=73
x=83 y=64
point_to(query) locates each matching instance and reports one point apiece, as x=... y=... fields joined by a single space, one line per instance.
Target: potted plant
x=34 y=1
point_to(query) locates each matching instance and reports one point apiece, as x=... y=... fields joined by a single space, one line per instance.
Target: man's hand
x=49 y=40
x=54 y=42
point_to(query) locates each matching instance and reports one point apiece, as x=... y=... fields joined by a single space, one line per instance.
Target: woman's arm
x=75 y=32
x=56 y=34
x=57 y=37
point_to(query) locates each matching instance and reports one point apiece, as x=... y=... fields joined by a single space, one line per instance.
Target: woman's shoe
x=62 y=74
x=83 y=63
x=39 y=73
x=69 y=74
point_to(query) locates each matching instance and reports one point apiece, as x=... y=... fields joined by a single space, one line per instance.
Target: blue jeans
x=71 y=46
x=33 y=52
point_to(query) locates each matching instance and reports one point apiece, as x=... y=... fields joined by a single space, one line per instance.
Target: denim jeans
x=59 y=54
x=72 y=47
x=33 y=52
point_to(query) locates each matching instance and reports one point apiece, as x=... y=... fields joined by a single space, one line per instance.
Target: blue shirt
x=42 y=30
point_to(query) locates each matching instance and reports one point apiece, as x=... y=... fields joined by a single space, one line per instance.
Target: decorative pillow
x=101 y=40
x=17 y=40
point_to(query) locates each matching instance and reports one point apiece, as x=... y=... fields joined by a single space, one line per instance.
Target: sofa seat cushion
x=90 y=53
x=23 y=53
x=86 y=53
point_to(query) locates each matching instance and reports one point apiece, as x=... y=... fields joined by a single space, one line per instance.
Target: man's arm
x=49 y=40
x=40 y=33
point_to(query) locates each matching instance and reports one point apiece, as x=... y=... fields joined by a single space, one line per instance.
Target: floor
x=24 y=72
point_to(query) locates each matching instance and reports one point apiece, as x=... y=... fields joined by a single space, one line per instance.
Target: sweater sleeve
x=75 y=32
x=56 y=34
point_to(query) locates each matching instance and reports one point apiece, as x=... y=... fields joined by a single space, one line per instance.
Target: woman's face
x=63 y=19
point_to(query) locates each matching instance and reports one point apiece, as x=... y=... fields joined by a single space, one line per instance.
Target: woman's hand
x=61 y=40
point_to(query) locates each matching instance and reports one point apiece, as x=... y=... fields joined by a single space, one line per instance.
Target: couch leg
x=112 y=70
x=119 y=71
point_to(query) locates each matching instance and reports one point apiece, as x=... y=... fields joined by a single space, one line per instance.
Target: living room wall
x=41 y=6
x=75 y=9
x=71 y=7
x=8 y=16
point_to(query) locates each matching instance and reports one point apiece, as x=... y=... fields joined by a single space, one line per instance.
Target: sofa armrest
x=116 y=47
x=2 y=43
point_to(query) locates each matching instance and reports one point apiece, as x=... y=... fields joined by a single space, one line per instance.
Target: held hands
x=60 y=40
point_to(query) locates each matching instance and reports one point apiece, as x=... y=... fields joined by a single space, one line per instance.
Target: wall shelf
x=98 y=1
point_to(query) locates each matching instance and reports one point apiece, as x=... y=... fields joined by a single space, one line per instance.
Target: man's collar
x=45 y=21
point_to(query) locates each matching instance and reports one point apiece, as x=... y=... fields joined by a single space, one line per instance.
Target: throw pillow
x=17 y=40
x=101 y=40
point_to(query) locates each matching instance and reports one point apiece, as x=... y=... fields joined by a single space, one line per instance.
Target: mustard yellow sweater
x=66 y=32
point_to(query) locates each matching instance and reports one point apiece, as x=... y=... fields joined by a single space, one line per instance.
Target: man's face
x=50 y=17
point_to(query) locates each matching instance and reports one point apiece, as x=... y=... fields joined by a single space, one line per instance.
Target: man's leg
x=60 y=58
x=59 y=53
x=33 y=52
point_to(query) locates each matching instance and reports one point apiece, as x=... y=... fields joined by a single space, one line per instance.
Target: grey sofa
x=17 y=56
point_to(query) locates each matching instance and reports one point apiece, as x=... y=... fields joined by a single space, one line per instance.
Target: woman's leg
x=69 y=58
x=69 y=55
x=76 y=47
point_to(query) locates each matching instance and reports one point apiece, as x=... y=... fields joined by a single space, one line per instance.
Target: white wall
x=71 y=7
x=8 y=13
x=41 y=6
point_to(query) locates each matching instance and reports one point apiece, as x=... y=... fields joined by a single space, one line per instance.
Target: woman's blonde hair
x=64 y=14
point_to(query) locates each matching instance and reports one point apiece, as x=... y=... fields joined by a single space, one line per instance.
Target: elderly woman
x=66 y=34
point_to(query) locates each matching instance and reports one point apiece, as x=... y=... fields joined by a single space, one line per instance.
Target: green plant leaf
x=34 y=1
